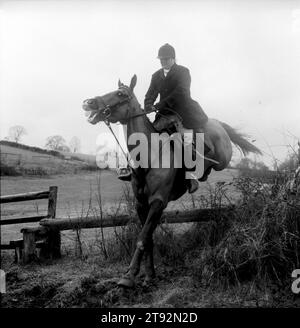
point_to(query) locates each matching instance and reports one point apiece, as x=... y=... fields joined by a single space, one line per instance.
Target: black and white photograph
x=150 y=157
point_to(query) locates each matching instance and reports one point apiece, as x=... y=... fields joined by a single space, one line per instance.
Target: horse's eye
x=120 y=94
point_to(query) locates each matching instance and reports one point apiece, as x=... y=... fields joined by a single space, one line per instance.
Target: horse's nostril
x=90 y=101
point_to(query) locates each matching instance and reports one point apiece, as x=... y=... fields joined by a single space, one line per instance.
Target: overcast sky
x=244 y=59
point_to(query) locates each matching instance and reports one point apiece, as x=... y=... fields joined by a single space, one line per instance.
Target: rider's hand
x=150 y=108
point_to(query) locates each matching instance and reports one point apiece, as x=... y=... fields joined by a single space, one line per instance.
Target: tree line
x=56 y=142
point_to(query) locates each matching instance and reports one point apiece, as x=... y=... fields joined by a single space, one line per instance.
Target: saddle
x=168 y=123
x=172 y=124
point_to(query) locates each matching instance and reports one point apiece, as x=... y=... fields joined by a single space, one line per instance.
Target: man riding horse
x=154 y=188
x=172 y=82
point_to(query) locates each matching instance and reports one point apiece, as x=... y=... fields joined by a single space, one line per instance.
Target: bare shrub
x=7 y=170
x=262 y=243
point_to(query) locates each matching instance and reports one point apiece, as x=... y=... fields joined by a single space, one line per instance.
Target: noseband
x=106 y=109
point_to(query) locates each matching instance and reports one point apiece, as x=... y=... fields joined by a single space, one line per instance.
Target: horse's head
x=112 y=107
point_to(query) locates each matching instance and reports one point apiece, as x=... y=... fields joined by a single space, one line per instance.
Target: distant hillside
x=31 y=148
x=23 y=159
x=91 y=159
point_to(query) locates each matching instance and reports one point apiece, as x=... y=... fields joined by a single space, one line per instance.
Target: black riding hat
x=166 y=51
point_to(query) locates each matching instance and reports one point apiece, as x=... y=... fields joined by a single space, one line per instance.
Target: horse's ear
x=120 y=83
x=133 y=82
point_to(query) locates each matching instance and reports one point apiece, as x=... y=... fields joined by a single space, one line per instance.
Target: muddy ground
x=91 y=281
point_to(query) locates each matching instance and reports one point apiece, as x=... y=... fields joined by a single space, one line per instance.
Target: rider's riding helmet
x=166 y=51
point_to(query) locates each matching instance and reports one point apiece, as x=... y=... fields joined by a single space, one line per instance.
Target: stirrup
x=124 y=174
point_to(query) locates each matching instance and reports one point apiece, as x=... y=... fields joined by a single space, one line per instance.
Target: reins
x=107 y=109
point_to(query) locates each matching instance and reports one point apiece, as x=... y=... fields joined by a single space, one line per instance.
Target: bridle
x=106 y=109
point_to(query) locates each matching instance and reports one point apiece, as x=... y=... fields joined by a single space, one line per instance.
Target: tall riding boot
x=192 y=184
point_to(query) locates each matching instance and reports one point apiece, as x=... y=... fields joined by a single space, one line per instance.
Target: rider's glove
x=150 y=108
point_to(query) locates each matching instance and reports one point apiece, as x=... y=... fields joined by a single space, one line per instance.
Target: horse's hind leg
x=142 y=211
x=149 y=262
x=144 y=241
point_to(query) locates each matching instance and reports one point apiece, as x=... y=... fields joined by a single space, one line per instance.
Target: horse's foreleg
x=144 y=243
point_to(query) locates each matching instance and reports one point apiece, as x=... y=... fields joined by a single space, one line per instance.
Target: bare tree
x=245 y=163
x=56 y=143
x=16 y=132
x=75 y=144
x=290 y=163
x=249 y=164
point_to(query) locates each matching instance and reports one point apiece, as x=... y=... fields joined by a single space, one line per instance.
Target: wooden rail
x=54 y=226
x=197 y=215
x=25 y=197
x=23 y=220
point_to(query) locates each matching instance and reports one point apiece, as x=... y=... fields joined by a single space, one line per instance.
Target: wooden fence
x=47 y=237
x=37 y=236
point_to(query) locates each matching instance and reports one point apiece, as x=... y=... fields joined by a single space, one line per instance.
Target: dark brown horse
x=155 y=187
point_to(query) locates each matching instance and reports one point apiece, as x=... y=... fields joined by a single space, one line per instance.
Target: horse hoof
x=149 y=281
x=126 y=282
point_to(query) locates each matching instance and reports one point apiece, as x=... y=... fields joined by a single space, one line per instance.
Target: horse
x=154 y=188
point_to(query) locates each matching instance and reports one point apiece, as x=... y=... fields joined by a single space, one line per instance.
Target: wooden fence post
x=29 y=252
x=52 y=247
x=52 y=202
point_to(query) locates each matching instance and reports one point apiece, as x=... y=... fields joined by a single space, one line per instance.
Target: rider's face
x=167 y=63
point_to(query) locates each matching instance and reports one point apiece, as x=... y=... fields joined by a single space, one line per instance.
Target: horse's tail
x=240 y=140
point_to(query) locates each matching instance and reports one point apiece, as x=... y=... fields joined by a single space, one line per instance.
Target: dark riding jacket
x=174 y=91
